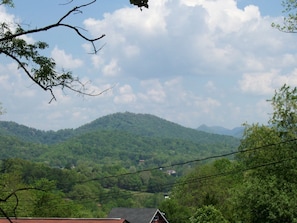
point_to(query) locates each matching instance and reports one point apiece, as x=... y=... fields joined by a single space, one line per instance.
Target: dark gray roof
x=134 y=215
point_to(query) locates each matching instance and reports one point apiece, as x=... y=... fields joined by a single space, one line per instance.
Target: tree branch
x=29 y=75
x=45 y=76
x=58 y=24
x=5 y=215
x=43 y=72
x=14 y=194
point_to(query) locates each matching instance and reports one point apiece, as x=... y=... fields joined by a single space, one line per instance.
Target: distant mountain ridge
x=28 y=134
x=139 y=124
x=235 y=132
x=122 y=138
x=145 y=125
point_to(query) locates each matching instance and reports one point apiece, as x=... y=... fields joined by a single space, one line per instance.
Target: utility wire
x=221 y=174
x=120 y=194
x=189 y=181
x=207 y=176
x=190 y=161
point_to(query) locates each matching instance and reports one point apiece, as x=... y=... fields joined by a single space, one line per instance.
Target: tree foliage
x=284 y=117
x=37 y=190
x=260 y=184
x=290 y=18
x=31 y=59
x=270 y=180
x=265 y=200
x=208 y=214
x=267 y=191
x=208 y=184
x=140 y=3
x=175 y=211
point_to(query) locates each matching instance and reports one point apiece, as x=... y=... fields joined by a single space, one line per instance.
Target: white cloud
x=131 y=51
x=153 y=91
x=65 y=60
x=12 y=21
x=265 y=83
x=189 y=61
x=125 y=95
x=224 y=14
x=288 y=60
x=111 y=69
x=207 y=105
x=6 y=17
x=258 y=83
x=188 y=37
x=97 y=61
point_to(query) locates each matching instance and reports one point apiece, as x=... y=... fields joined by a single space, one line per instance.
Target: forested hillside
x=123 y=138
x=27 y=134
x=137 y=124
x=131 y=160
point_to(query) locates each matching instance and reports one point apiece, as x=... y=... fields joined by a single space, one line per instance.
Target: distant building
x=171 y=172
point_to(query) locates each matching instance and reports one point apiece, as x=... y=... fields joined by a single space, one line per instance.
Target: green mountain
x=125 y=139
x=150 y=126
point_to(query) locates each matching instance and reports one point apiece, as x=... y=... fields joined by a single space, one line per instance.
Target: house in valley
x=139 y=215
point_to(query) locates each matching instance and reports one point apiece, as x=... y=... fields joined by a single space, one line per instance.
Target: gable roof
x=136 y=215
x=64 y=220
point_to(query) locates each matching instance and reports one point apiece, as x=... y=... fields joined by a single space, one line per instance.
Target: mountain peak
x=235 y=132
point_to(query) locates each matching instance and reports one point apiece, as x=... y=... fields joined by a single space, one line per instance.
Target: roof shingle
x=134 y=215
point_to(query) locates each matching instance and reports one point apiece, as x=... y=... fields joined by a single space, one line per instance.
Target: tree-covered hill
x=122 y=138
x=138 y=124
x=9 y=128
x=127 y=149
x=151 y=126
x=13 y=147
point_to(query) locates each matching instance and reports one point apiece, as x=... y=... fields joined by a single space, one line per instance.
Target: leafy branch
x=290 y=20
x=42 y=69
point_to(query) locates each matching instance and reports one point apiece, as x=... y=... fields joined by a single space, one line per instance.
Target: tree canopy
x=259 y=185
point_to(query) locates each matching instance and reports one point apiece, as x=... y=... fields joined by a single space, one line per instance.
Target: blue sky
x=192 y=62
x=267 y=8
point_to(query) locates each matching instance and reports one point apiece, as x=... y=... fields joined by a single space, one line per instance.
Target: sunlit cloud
x=190 y=61
x=65 y=60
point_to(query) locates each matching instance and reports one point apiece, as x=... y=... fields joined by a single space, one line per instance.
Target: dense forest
x=133 y=160
x=258 y=186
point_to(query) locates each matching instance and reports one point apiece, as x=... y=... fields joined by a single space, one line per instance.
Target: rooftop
x=64 y=220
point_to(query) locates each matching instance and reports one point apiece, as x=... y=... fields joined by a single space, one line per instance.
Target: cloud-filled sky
x=192 y=62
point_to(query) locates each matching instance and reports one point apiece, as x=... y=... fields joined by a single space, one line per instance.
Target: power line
x=190 y=161
x=120 y=194
x=217 y=174
x=221 y=174
x=189 y=181
x=184 y=163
